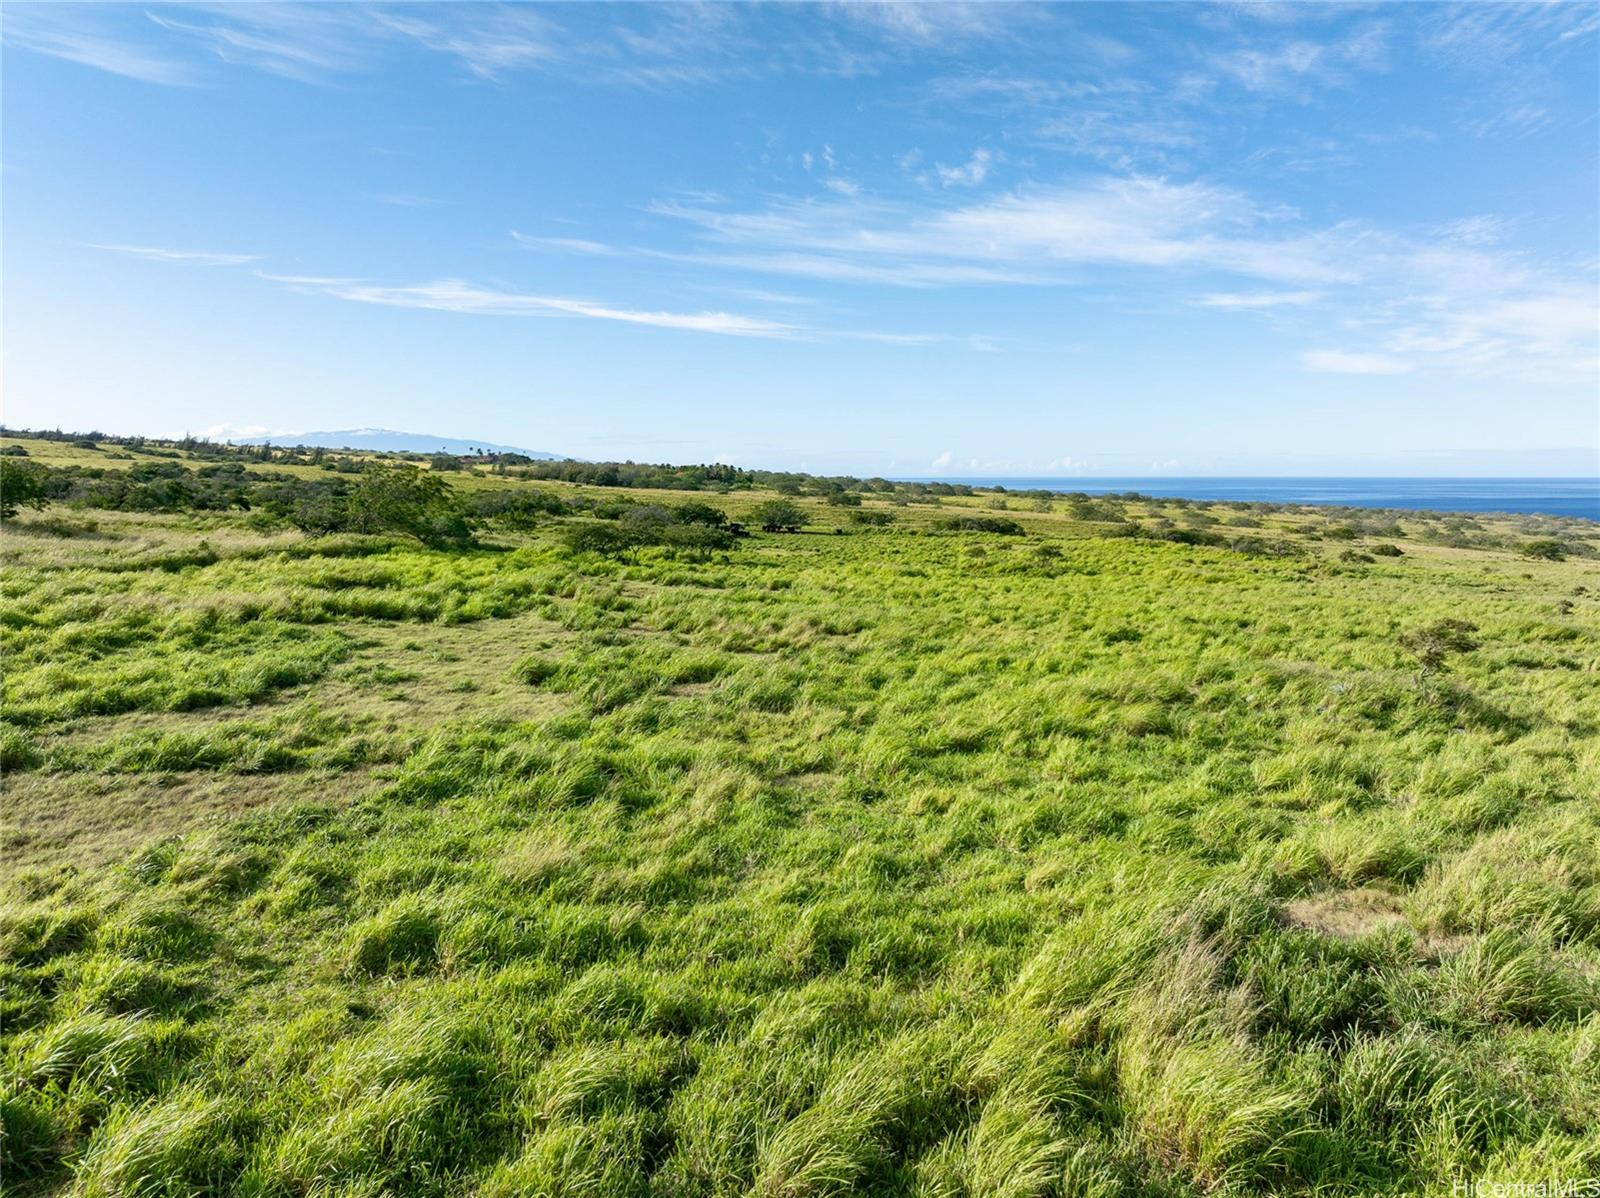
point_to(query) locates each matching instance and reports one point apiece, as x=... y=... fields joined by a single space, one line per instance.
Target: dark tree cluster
x=713 y=477
x=382 y=499
x=993 y=524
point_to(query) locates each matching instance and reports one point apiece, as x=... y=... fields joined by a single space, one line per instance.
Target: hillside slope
x=924 y=859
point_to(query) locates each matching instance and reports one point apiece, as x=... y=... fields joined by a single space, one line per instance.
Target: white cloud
x=574 y=245
x=1453 y=301
x=1335 y=361
x=1290 y=65
x=1029 y=234
x=297 y=41
x=1473 y=230
x=1254 y=300
x=651 y=46
x=405 y=200
x=161 y=254
x=1493 y=36
x=61 y=33
x=973 y=173
x=928 y=24
x=231 y=432
x=488 y=40
x=943 y=460
x=454 y=295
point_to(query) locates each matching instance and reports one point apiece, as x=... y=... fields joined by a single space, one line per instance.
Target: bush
x=696 y=539
x=1546 y=549
x=780 y=515
x=1433 y=642
x=872 y=519
x=514 y=509
x=1387 y=551
x=592 y=537
x=994 y=524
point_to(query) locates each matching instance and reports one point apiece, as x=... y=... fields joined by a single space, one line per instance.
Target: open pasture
x=906 y=860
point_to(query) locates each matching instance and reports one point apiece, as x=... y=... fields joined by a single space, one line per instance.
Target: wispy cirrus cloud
x=1445 y=299
x=922 y=24
x=157 y=253
x=571 y=245
x=1029 y=235
x=65 y=32
x=972 y=173
x=456 y=295
x=1336 y=361
x=307 y=42
x=489 y=40
x=1289 y=66
x=1253 y=301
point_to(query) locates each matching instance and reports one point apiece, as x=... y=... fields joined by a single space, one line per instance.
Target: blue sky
x=874 y=238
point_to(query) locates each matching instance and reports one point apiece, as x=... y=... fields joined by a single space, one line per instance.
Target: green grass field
x=898 y=862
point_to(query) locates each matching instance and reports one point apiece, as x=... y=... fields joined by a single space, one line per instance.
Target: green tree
x=22 y=484
x=700 y=513
x=406 y=500
x=780 y=515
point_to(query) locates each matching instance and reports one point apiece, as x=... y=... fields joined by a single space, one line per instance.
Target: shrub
x=872 y=519
x=1433 y=642
x=518 y=509
x=592 y=537
x=994 y=524
x=1546 y=549
x=696 y=539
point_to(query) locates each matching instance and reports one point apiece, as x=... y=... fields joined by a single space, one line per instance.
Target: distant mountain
x=389 y=439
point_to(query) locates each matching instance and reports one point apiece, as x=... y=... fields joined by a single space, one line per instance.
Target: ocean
x=1544 y=496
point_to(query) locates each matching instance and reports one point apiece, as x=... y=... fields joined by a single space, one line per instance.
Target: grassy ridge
x=901 y=862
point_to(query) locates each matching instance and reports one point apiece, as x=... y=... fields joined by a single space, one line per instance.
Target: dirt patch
x=93 y=819
x=689 y=690
x=402 y=681
x=1346 y=913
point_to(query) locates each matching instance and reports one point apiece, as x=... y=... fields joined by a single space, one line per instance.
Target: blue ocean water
x=1545 y=496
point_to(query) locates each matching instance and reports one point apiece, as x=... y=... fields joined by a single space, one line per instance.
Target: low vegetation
x=493 y=835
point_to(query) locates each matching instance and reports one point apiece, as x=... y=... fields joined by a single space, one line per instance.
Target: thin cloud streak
x=56 y=33
x=457 y=295
x=1335 y=361
x=1255 y=301
x=162 y=254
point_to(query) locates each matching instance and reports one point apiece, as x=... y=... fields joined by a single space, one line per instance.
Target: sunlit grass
x=899 y=862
